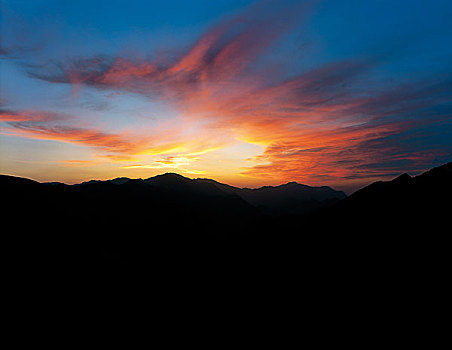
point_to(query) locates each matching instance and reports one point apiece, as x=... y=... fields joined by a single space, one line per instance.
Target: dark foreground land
x=171 y=223
x=293 y=259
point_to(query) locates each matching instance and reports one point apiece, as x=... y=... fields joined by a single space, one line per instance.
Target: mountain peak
x=169 y=176
x=120 y=180
x=89 y=182
x=402 y=178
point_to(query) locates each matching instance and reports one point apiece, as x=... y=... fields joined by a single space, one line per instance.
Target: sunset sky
x=250 y=93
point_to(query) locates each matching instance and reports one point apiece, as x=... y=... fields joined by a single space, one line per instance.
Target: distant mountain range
x=290 y=198
x=173 y=219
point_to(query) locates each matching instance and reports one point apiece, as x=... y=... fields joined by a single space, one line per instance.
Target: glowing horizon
x=234 y=99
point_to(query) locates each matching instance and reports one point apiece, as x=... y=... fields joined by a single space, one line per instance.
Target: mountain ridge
x=140 y=224
x=288 y=198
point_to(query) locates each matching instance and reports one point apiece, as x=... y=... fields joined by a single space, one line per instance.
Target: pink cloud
x=322 y=122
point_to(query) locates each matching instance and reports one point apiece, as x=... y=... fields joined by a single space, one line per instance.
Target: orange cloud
x=93 y=138
x=179 y=148
x=79 y=163
x=316 y=126
x=7 y=115
x=42 y=126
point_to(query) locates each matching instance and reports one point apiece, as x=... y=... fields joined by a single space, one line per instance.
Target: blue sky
x=383 y=67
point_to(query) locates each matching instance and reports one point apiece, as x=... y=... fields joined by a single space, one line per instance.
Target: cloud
x=42 y=125
x=89 y=137
x=223 y=53
x=330 y=122
x=371 y=137
x=118 y=147
x=8 y=115
x=79 y=163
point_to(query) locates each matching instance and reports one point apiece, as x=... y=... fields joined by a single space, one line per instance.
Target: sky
x=250 y=93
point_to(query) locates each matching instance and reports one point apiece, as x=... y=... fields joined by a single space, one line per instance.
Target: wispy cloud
x=327 y=122
x=114 y=143
x=120 y=147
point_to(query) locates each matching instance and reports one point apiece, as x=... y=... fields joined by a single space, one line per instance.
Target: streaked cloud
x=322 y=124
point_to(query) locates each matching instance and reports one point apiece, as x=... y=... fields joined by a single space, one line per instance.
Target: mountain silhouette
x=290 y=198
x=404 y=204
x=172 y=223
x=183 y=185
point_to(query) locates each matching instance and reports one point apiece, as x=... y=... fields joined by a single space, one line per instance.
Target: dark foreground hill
x=171 y=223
x=404 y=205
